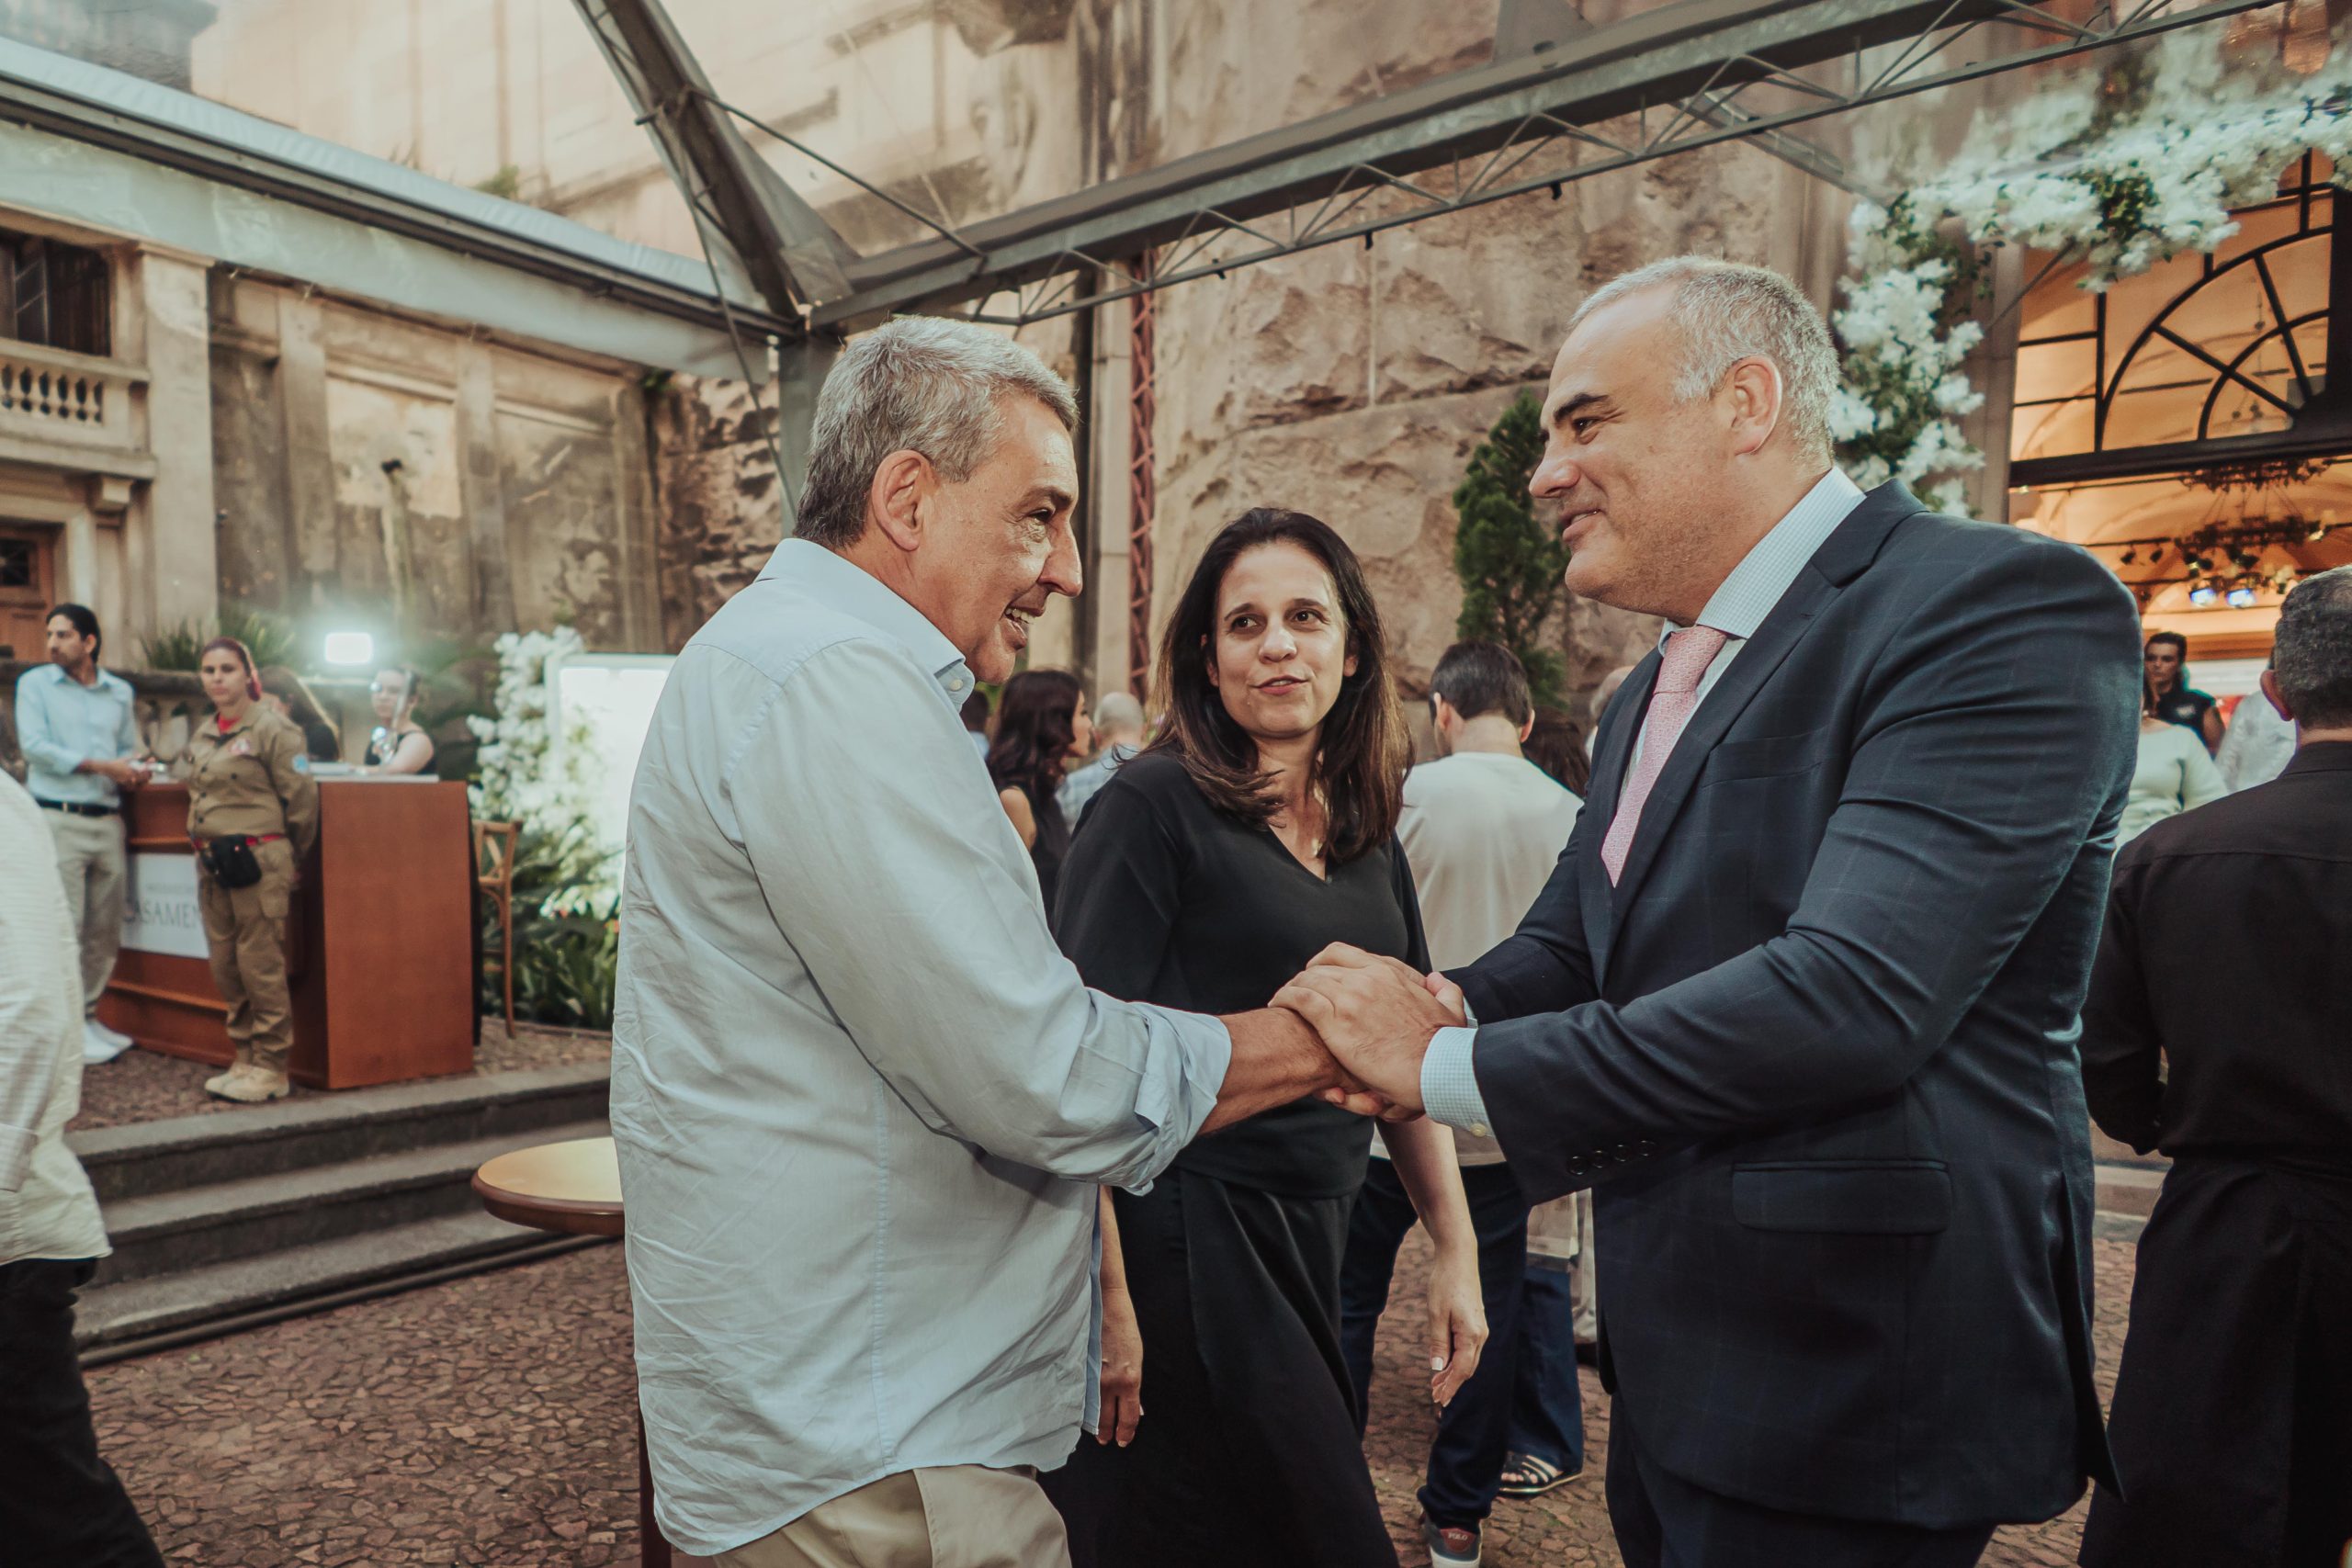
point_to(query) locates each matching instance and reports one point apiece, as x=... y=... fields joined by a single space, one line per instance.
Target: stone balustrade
x=49 y=394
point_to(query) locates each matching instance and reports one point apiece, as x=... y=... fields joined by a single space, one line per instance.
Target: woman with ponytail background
x=398 y=745
x=253 y=811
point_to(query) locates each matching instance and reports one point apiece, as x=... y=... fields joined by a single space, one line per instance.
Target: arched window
x=2231 y=349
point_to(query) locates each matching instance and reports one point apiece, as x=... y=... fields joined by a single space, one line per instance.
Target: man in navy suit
x=1800 y=999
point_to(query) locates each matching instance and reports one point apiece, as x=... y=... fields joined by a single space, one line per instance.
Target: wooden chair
x=494 y=874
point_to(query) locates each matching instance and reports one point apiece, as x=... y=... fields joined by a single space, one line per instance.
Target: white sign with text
x=161 y=914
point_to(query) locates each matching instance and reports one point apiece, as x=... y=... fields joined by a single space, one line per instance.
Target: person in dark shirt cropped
x=2219 y=1030
x=1259 y=828
x=2165 y=654
x=1041 y=729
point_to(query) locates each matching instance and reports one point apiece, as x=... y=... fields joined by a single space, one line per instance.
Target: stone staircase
x=235 y=1218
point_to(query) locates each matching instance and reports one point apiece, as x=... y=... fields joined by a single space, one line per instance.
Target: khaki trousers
x=246 y=929
x=963 y=1515
x=89 y=861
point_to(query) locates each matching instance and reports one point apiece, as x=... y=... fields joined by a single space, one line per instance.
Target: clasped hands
x=1376 y=1017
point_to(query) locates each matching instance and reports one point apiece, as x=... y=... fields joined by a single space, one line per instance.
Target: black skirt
x=1247 y=1454
x=2233 y=1418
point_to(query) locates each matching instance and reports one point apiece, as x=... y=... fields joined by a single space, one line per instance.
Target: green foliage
x=507 y=184
x=567 y=942
x=452 y=676
x=181 y=646
x=1509 y=563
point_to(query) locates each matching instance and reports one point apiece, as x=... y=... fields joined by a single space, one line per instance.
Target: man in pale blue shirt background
x=862 y=1102
x=79 y=733
x=1119 y=731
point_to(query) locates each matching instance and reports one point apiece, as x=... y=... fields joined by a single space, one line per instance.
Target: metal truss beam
x=791 y=256
x=1680 y=72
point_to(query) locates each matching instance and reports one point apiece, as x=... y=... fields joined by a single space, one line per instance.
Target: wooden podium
x=379 y=937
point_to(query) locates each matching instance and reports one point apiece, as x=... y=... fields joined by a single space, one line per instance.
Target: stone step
x=234 y=1294
x=310 y=1131
x=2128 y=1188
x=164 y=1233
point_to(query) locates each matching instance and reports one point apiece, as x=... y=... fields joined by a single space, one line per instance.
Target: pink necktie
x=1688 y=654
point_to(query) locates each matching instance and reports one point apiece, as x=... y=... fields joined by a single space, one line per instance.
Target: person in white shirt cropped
x=60 y=1502
x=1481 y=827
x=862 y=1102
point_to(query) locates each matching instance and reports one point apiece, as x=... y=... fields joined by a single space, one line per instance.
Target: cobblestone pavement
x=147 y=1086
x=487 y=1424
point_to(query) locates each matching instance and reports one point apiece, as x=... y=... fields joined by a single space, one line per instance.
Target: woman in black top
x=2176 y=702
x=1041 y=729
x=1257 y=829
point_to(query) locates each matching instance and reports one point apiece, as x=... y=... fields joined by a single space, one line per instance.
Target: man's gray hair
x=919 y=384
x=1118 y=710
x=1728 y=313
x=2311 y=651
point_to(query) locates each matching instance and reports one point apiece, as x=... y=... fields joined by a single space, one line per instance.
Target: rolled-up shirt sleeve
x=882 y=856
x=33 y=1014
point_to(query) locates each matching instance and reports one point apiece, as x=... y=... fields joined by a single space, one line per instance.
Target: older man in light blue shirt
x=861 y=1099
x=79 y=735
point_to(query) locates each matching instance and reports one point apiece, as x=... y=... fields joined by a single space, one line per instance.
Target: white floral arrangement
x=522 y=775
x=2126 y=169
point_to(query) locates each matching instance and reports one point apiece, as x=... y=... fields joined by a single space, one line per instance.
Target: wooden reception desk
x=379 y=937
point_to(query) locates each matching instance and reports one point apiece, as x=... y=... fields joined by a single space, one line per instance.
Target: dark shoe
x=1529 y=1475
x=1450 y=1547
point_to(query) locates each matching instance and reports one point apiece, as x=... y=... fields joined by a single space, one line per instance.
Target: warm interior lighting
x=2305 y=46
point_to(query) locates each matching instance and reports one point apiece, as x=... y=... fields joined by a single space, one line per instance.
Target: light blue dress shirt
x=1086 y=782
x=60 y=724
x=1739 y=606
x=861 y=1099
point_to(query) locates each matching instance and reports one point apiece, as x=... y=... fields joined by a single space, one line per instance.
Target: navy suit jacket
x=1816 y=1051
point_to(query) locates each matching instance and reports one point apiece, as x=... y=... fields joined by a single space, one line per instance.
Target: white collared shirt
x=1736 y=608
x=862 y=1102
x=47 y=1209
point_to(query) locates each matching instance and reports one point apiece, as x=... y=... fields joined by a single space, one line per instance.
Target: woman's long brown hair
x=1360 y=767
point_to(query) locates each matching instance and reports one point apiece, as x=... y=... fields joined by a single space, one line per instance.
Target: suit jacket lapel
x=1842 y=557
x=1612 y=745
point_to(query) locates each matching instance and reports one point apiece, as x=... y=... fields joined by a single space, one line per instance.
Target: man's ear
x=2278 y=701
x=1526 y=728
x=904 y=481
x=1754 y=395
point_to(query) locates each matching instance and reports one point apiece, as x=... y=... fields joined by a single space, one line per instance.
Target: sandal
x=1529 y=1475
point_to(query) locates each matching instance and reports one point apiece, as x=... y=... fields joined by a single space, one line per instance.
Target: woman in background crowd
x=1041 y=729
x=2167 y=657
x=1257 y=827
x=1558 y=747
x=253 y=810
x=292 y=700
x=2175 y=774
x=398 y=745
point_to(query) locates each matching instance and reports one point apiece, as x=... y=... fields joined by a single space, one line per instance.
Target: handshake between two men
x=1376 y=1017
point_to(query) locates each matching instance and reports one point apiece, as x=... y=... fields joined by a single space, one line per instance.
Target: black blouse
x=1166 y=900
x=1053 y=839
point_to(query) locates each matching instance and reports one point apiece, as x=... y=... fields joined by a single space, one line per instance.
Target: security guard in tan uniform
x=253 y=812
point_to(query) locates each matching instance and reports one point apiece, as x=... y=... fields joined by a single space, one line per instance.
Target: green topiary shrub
x=1508 y=562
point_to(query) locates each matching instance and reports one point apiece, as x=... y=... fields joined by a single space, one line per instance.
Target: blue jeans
x=1546 y=1407
x=1466 y=1455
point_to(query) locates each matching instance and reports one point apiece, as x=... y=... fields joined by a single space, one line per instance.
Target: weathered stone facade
x=377 y=473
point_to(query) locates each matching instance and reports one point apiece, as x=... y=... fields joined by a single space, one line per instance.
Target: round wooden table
x=576 y=1189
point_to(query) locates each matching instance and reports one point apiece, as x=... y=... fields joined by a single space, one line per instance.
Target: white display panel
x=613 y=695
x=160 y=912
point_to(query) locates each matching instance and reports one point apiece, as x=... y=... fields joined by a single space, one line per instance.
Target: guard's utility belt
x=230 y=859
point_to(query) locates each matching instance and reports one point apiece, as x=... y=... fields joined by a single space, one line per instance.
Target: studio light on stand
x=350 y=647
